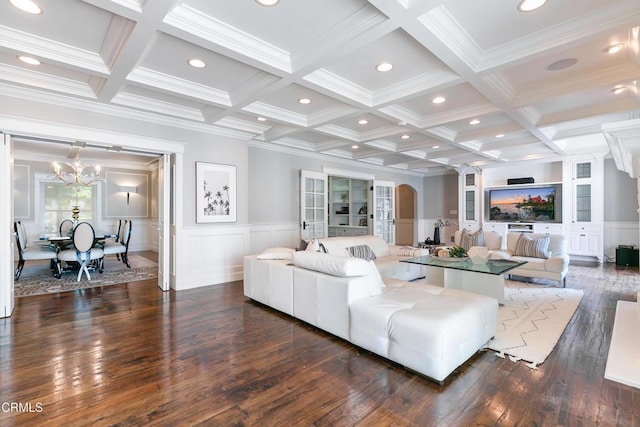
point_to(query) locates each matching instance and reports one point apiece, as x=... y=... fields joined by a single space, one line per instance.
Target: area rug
x=36 y=278
x=532 y=320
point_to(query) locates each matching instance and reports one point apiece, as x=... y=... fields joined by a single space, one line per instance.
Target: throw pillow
x=409 y=251
x=362 y=251
x=467 y=239
x=529 y=247
x=313 y=245
x=336 y=265
x=302 y=246
x=276 y=253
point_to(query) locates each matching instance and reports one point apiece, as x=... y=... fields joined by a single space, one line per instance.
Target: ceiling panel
x=131 y=57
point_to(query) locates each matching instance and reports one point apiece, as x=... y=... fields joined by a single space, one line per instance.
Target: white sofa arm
x=558 y=263
x=407 y=251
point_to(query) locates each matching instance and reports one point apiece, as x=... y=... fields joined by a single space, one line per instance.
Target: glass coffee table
x=460 y=273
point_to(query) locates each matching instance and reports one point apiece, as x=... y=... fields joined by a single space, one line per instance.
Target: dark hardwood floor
x=133 y=355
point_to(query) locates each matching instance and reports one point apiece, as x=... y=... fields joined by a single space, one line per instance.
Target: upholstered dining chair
x=115 y=241
x=83 y=251
x=33 y=253
x=65 y=227
x=121 y=248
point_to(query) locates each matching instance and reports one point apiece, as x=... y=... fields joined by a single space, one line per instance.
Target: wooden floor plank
x=132 y=355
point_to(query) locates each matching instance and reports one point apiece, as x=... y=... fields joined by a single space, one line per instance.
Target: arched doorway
x=406 y=212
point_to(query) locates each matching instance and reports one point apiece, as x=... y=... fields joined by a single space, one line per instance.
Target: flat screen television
x=541 y=203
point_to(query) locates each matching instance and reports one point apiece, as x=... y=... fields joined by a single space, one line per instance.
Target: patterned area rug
x=36 y=278
x=532 y=320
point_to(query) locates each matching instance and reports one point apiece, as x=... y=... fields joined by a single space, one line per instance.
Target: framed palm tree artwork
x=215 y=193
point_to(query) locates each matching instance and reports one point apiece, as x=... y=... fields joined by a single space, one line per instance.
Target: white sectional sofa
x=386 y=256
x=426 y=328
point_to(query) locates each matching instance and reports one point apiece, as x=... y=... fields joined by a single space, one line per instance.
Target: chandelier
x=74 y=173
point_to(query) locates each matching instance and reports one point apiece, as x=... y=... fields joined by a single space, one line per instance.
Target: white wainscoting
x=210 y=255
x=263 y=236
x=619 y=233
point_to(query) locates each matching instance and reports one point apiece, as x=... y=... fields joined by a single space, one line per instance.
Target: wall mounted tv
x=539 y=203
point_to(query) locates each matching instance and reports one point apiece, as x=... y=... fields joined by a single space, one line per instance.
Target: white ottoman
x=425 y=328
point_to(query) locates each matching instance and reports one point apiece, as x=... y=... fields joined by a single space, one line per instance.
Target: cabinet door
x=582 y=191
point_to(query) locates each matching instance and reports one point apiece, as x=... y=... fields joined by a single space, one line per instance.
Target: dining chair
x=83 y=251
x=33 y=253
x=121 y=248
x=115 y=241
x=65 y=227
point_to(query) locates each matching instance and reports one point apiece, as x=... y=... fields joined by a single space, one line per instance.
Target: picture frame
x=216 y=189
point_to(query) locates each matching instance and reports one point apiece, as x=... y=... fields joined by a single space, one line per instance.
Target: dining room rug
x=36 y=278
x=532 y=320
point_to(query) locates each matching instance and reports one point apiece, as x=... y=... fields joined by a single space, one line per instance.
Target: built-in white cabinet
x=470 y=201
x=585 y=195
x=348 y=206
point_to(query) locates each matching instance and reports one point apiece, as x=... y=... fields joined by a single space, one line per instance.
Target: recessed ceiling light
x=618 y=90
x=529 y=5
x=355 y=146
x=29 y=60
x=562 y=64
x=384 y=66
x=614 y=48
x=438 y=100
x=500 y=135
x=405 y=136
x=304 y=101
x=436 y=146
x=474 y=122
x=28 y=6
x=268 y=2
x=363 y=121
x=197 y=63
x=261 y=119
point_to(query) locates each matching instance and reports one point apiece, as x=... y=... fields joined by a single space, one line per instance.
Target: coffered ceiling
x=536 y=82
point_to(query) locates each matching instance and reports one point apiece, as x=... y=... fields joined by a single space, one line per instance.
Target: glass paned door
x=313 y=204
x=384 y=223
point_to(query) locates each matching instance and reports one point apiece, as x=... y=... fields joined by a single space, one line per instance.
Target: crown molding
x=44 y=48
x=148 y=77
x=28 y=77
x=160 y=107
x=188 y=19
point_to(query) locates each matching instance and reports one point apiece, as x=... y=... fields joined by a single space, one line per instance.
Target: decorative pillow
x=467 y=239
x=408 y=251
x=534 y=248
x=362 y=251
x=336 y=265
x=313 y=245
x=277 y=253
x=302 y=246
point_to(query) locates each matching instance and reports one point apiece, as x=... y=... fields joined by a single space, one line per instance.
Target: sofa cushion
x=362 y=251
x=276 y=253
x=532 y=247
x=335 y=265
x=468 y=239
x=537 y=264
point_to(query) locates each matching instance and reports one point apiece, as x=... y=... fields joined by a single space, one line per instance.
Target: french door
x=164 y=204
x=7 y=239
x=313 y=205
x=384 y=201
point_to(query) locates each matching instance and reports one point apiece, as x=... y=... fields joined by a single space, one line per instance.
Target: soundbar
x=512 y=181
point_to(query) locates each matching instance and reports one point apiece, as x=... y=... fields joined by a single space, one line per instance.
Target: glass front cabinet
x=469 y=199
x=585 y=231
